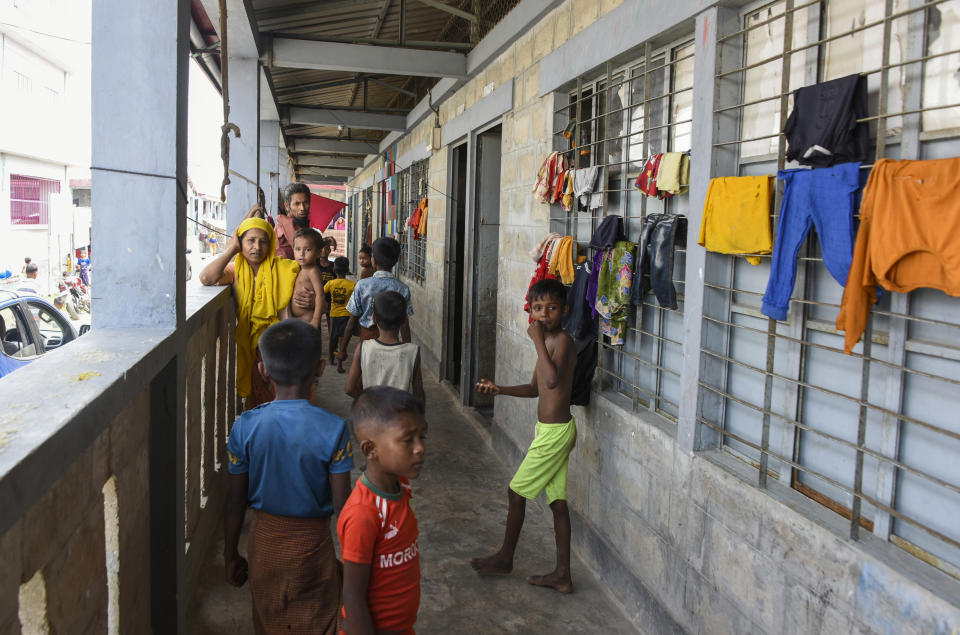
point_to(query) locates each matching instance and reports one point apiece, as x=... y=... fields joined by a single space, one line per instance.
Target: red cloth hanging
x=540 y=272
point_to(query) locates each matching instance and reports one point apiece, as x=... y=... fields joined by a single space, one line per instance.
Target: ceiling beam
x=437 y=4
x=346 y=118
x=362 y=58
x=323 y=180
x=422 y=44
x=313 y=171
x=318 y=160
x=335 y=145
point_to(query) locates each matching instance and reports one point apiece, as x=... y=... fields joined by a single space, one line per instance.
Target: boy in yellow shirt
x=338 y=292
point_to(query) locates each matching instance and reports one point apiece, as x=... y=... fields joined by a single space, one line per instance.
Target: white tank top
x=388 y=364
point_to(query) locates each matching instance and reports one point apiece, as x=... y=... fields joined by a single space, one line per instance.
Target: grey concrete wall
x=54 y=462
x=685 y=541
x=62 y=535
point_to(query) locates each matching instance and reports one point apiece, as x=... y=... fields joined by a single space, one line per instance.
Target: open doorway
x=485 y=261
x=451 y=366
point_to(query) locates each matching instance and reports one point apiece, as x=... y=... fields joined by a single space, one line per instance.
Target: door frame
x=471 y=242
x=449 y=257
x=467 y=350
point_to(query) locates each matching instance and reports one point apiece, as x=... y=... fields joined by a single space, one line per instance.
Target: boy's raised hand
x=487 y=387
x=535 y=330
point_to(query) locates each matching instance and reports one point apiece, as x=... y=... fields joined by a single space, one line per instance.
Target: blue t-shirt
x=289 y=448
x=361 y=302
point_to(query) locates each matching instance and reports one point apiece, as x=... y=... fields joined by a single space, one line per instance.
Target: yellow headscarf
x=259 y=299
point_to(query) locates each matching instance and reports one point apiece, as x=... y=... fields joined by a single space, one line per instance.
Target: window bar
x=781 y=163
x=602 y=175
x=911 y=318
x=805 y=280
x=838 y=351
x=662 y=65
x=868 y=334
x=852 y=31
x=656 y=348
x=757 y=25
x=892 y=65
x=638 y=314
x=890 y=426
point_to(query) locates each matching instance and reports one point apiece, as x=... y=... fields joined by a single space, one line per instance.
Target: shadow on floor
x=460 y=500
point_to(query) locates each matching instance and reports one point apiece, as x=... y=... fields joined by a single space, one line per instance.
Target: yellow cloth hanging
x=673 y=174
x=561 y=265
x=736 y=216
x=567 y=198
x=260 y=298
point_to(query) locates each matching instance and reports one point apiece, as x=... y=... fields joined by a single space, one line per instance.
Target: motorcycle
x=79 y=292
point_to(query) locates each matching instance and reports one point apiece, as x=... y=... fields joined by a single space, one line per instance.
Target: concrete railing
x=112 y=474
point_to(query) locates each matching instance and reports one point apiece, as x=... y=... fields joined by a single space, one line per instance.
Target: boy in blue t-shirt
x=290 y=461
x=385 y=253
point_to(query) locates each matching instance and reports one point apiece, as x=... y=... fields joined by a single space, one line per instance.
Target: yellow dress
x=260 y=298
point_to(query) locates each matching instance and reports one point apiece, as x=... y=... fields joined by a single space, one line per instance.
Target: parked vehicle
x=29 y=327
x=79 y=293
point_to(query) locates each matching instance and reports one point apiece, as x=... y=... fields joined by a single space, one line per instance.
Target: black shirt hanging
x=822 y=130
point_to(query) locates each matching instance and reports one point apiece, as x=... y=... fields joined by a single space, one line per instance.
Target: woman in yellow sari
x=262 y=286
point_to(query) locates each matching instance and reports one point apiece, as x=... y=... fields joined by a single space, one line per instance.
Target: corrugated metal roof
x=365 y=21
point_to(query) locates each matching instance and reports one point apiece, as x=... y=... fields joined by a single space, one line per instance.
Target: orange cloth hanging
x=909 y=237
x=422 y=227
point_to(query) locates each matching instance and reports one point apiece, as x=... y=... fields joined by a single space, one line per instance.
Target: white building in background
x=44 y=132
x=206 y=219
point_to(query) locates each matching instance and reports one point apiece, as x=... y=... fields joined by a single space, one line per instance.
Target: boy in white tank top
x=387 y=361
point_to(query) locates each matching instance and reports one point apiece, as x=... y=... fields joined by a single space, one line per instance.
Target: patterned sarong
x=294 y=575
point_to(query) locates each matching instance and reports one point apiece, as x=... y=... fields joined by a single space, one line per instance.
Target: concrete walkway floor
x=461 y=506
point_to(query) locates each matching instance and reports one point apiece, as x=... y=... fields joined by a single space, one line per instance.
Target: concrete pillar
x=286 y=176
x=270 y=142
x=707 y=162
x=139 y=81
x=244 y=152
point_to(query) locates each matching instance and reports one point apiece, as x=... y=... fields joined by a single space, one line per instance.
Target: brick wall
x=683 y=542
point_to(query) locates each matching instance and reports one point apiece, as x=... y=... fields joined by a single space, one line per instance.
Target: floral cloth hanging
x=613 y=290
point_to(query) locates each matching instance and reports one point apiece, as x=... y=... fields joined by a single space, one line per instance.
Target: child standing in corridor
x=377 y=528
x=386 y=252
x=545 y=465
x=290 y=461
x=339 y=291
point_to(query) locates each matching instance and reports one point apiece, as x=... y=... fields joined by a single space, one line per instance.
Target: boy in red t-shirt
x=377 y=528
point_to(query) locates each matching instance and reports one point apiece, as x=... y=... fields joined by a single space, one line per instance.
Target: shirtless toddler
x=545 y=465
x=306 y=247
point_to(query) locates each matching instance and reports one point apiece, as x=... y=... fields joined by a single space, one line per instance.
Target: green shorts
x=545 y=466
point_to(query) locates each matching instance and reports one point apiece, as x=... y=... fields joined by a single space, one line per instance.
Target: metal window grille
x=411 y=189
x=30 y=199
x=873 y=436
x=617 y=121
x=366 y=218
x=353 y=204
x=403 y=213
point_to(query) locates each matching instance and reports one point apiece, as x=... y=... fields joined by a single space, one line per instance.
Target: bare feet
x=492 y=565
x=554 y=580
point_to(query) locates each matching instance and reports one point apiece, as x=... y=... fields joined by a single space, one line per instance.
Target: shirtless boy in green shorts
x=545 y=466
